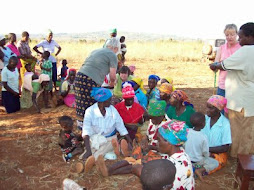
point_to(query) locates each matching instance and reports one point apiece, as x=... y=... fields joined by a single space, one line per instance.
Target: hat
x=166 y=88
x=219 y=102
x=112 y=31
x=155 y=77
x=157 y=107
x=127 y=91
x=2 y=37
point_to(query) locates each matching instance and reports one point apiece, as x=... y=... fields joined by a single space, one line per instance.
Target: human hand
x=213 y=66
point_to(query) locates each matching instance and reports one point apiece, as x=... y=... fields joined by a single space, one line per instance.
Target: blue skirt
x=10 y=102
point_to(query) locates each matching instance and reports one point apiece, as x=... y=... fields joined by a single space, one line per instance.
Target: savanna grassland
x=30 y=157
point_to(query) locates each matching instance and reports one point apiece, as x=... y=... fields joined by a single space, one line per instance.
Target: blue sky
x=186 y=18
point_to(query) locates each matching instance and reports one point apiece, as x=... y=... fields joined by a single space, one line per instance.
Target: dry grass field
x=29 y=155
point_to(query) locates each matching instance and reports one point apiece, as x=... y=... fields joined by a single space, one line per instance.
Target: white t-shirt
x=196 y=145
x=12 y=79
x=46 y=46
x=95 y=123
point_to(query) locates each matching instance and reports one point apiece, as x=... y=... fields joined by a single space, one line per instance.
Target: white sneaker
x=69 y=184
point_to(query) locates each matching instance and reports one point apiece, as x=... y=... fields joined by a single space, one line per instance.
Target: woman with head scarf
x=49 y=45
x=165 y=91
x=130 y=111
x=67 y=89
x=140 y=93
x=217 y=129
x=171 y=137
x=101 y=122
x=168 y=80
x=181 y=109
x=32 y=88
x=239 y=87
x=25 y=52
x=153 y=91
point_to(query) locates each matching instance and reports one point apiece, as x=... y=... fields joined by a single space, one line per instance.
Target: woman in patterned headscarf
x=217 y=129
x=171 y=136
x=181 y=109
x=165 y=91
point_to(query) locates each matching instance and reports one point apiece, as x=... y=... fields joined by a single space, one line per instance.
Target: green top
x=48 y=65
x=185 y=116
x=118 y=87
x=36 y=87
x=97 y=65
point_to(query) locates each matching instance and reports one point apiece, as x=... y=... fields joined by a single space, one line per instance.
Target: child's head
x=72 y=74
x=25 y=36
x=12 y=37
x=66 y=123
x=122 y=39
x=158 y=175
x=13 y=61
x=28 y=67
x=152 y=81
x=64 y=62
x=156 y=110
x=197 y=120
x=46 y=55
x=124 y=73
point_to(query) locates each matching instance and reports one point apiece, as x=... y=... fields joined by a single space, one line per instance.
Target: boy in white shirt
x=197 y=147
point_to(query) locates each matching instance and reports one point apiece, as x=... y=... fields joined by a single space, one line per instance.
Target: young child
x=197 y=147
x=70 y=143
x=67 y=89
x=140 y=93
x=153 y=91
x=123 y=48
x=10 y=89
x=158 y=175
x=46 y=67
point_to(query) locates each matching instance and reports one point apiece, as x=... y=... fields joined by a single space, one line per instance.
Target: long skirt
x=242 y=132
x=83 y=88
x=10 y=102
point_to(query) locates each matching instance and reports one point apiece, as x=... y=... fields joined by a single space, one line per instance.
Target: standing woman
x=239 y=87
x=6 y=51
x=25 y=52
x=12 y=40
x=226 y=51
x=92 y=74
x=49 y=45
x=10 y=90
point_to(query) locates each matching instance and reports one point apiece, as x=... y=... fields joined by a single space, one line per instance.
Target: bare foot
x=90 y=161
x=102 y=166
x=125 y=148
x=198 y=172
x=115 y=145
x=79 y=167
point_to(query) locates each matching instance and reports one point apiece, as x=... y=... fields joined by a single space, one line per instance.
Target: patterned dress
x=184 y=179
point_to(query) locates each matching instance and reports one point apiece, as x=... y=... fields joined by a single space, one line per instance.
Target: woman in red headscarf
x=130 y=111
x=181 y=109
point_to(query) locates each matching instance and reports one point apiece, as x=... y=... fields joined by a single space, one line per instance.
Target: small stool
x=245 y=170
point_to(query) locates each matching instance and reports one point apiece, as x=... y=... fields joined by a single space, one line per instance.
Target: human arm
x=8 y=89
x=112 y=77
x=36 y=50
x=59 y=50
x=219 y=149
x=205 y=148
x=87 y=146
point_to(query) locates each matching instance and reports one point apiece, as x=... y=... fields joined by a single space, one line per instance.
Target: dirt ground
x=30 y=157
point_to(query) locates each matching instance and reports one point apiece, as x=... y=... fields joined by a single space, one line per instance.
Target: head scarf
x=101 y=94
x=112 y=31
x=181 y=96
x=170 y=81
x=68 y=73
x=155 y=77
x=157 y=107
x=166 y=88
x=132 y=68
x=219 y=102
x=43 y=77
x=127 y=91
x=139 y=82
x=175 y=132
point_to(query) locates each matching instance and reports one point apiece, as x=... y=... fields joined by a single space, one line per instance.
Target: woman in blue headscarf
x=153 y=91
x=101 y=122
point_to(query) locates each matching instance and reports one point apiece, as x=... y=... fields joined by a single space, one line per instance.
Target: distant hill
x=102 y=35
